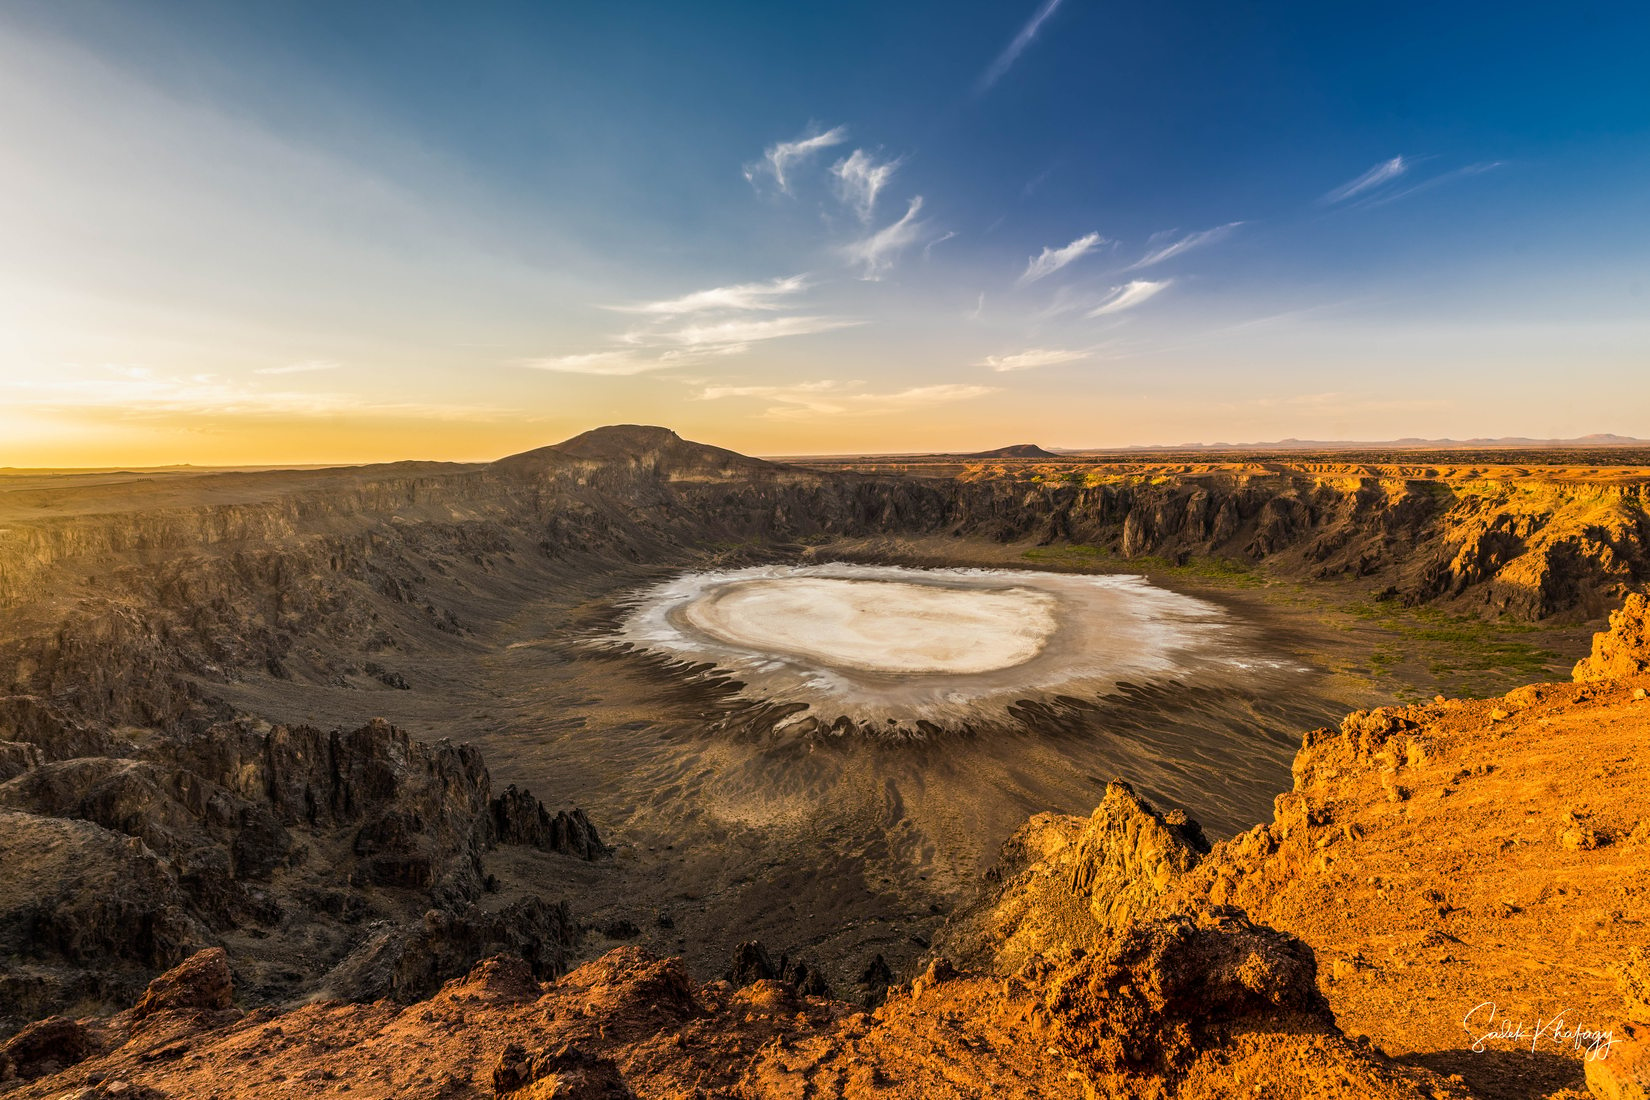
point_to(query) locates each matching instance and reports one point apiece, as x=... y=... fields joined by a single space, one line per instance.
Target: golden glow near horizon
x=195 y=270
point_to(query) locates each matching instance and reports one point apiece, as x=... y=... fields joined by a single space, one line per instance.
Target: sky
x=286 y=232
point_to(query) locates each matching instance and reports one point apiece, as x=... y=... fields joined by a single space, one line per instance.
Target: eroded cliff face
x=1512 y=543
x=117 y=614
x=349 y=862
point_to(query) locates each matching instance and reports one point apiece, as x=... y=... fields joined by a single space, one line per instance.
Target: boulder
x=1166 y=989
x=201 y=983
x=568 y=1073
x=43 y=1047
x=1067 y=882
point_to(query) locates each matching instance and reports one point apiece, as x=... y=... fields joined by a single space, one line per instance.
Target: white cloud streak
x=1011 y=53
x=121 y=392
x=742 y=296
x=778 y=158
x=308 y=367
x=663 y=348
x=1383 y=173
x=1428 y=184
x=927 y=249
x=1129 y=296
x=807 y=400
x=860 y=179
x=724 y=334
x=1032 y=358
x=876 y=254
x=1053 y=259
x=1162 y=247
x=621 y=362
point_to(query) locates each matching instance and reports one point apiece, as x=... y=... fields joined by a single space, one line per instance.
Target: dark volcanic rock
x=410 y=961
x=85 y=914
x=751 y=963
x=135 y=862
x=519 y=818
x=43 y=1047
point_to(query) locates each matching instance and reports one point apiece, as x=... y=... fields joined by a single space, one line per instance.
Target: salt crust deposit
x=887 y=643
x=878 y=626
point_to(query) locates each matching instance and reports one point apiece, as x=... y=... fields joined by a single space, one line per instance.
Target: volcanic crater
x=799 y=705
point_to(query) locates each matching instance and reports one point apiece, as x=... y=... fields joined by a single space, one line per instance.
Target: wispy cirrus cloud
x=122 y=392
x=860 y=179
x=740 y=296
x=1428 y=184
x=739 y=333
x=616 y=362
x=875 y=254
x=778 y=158
x=1378 y=186
x=1383 y=173
x=1130 y=295
x=805 y=400
x=1032 y=358
x=1017 y=46
x=1166 y=246
x=1051 y=260
x=696 y=327
x=655 y=349
x=309 y=366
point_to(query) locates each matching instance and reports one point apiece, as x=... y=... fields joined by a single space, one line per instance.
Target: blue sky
x=307 y=232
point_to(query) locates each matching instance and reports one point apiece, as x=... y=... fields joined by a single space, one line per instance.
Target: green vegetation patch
x=1226 y=571
x=1466 y=656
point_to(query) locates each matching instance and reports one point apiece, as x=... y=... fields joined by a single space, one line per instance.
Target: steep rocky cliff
x=118 y=607
x=343 y=861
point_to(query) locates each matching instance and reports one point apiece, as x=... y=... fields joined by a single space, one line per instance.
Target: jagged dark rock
x=519 y=818
x=410 y=961
x=752 y=963
x=567 y=1073
x=225 y=827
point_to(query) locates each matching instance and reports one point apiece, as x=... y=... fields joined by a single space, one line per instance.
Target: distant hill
x=633 y=444
x=1018 y=450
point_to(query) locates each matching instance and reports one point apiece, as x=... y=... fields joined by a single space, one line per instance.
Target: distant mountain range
x=1603 y=439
